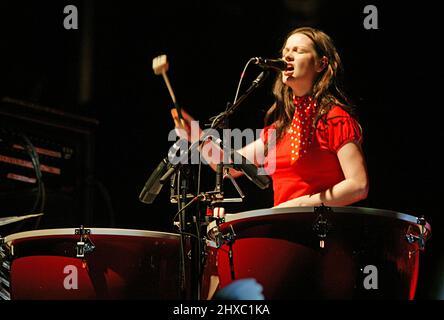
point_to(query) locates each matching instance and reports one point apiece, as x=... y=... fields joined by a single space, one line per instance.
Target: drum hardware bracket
x=230 y=236
x=84 y=245
x=420 y=239
x=321 y=225
x=218 y=194
x=229 y=176
x=221 y=239
x=228 y=239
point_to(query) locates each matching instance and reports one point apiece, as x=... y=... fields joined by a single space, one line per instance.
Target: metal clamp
x=84 y=245
x=421 y=238
x=226 y=238
x=321 y=225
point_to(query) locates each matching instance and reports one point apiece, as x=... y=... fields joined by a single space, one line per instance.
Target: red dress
x=319 y=169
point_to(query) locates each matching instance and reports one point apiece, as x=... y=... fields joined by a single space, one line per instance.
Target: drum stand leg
x=230 y=238
x=182 y=184
x=190 y=257
x=230 y=256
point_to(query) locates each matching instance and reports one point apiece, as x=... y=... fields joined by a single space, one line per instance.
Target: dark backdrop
x=389 y=75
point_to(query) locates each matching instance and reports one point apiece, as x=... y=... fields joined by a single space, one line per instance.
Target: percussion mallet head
x=160 y=64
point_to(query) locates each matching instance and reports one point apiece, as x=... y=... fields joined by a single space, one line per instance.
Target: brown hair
x=327 y=89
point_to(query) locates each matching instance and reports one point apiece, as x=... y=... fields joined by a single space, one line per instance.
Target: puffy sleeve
x=337 y=129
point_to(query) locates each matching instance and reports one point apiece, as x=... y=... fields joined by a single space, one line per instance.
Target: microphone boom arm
x=220 y=119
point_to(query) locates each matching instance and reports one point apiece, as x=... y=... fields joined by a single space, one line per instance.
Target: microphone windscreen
x=250 y=170
x=153 y=185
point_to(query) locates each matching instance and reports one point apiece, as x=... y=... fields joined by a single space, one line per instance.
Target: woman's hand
x=186 y=128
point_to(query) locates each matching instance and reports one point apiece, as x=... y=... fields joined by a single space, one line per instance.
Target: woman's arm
x=211 y=152
x=253 y=152
x=352 y=189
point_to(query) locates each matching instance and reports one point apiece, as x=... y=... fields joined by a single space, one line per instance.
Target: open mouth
x=289 y=70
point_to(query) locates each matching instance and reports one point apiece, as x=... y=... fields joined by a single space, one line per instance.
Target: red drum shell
x=281 y=249
x=125 y=264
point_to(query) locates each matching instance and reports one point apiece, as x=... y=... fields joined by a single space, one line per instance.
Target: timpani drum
x=317 y=252
x=90 y=263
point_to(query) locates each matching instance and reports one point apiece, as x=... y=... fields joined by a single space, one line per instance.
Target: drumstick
x=160 y=66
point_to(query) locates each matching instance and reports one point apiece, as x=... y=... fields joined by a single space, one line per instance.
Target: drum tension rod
x=84 y=245
x=229 y=238
x=321 y=225
x=411 y=238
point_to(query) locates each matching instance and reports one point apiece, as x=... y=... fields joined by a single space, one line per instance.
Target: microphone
x=250 y=170
x=247 y=167
x=153 y=185
x=276 y=64
x=162 y=173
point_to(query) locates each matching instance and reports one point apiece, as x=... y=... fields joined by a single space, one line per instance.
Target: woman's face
x=303 y=62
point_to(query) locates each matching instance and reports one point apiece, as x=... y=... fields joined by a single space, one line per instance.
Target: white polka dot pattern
x=301 y=126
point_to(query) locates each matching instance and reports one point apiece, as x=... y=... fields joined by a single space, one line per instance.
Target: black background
x=390 y=75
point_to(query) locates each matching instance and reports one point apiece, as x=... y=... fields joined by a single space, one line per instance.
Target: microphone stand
x=183 y=175
x=213 y=197
x=180 y=174
x=222 y=170
x=221 y=120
